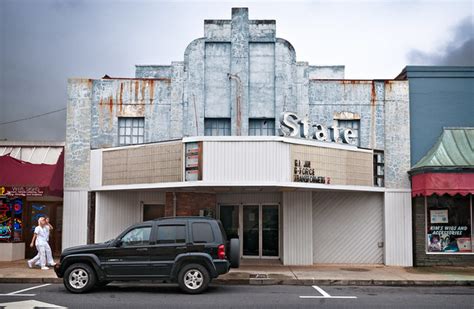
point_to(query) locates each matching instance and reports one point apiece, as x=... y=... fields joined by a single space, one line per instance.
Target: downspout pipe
x=174 y=204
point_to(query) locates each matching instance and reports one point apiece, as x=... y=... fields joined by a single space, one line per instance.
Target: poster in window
x=439 y=216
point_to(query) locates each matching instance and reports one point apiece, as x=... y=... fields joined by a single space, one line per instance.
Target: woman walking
x=40 y=240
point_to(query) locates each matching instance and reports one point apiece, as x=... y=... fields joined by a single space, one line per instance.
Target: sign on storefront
x=21 y=191
x=193 y=161
x=294 y=126
x=331 y=166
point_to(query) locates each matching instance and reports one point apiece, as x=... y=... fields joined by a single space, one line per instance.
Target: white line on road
x=317 y=288
x=17 y=293
x=326 y=295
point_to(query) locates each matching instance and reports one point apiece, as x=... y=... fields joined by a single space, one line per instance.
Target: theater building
x=302 y=165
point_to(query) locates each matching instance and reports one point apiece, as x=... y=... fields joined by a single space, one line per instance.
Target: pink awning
x=442 y=183
x=45 y=177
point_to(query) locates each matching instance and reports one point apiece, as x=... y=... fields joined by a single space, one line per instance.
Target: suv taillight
x=221 y=252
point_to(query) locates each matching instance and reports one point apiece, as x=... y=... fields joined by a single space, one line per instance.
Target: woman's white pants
x=44 y=255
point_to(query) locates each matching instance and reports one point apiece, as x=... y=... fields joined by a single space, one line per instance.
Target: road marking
x=28 y=304
x=17 y=293
x=326 y=295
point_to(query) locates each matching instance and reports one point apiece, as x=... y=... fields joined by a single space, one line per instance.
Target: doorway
x=257 y=227
x=153 y=211
x=35 y=210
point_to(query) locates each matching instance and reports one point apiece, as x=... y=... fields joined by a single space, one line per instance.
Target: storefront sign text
x=294 y=126
x=21 y=191
x=305 y=173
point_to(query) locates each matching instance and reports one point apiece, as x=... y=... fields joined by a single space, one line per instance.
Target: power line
x=33 y=117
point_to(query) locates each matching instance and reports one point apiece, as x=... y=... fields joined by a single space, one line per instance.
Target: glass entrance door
x=229 y=216
x=270 y=231
x=257 y=226
x=251 y=229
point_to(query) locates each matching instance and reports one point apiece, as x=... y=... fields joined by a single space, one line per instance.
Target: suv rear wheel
x=79 y=278
x=193 y=278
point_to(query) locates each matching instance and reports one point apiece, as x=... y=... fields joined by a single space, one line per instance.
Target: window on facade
x=449 y=223
x=217 y=126
x=354 y=125
x=262 y=127
x=202 y=232
x=171 y=234
x=131 y=130
x=137 y=237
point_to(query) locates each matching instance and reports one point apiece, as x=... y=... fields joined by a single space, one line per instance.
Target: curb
x=31 y=280
x=304 y=282
x=309 y=282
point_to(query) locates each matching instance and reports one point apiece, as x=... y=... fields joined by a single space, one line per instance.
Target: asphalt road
x=143 y=295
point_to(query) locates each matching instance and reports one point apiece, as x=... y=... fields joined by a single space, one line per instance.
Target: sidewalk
x=18 y=272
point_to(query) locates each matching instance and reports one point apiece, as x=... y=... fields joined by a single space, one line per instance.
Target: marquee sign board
x=331 y=166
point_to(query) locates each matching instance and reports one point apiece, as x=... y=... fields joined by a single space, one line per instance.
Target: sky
x=45 y=42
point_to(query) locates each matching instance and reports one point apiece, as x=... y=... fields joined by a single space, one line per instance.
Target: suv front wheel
x=79 y=278
x=193 y=278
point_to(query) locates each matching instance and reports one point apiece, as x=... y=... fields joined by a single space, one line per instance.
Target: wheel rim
x=78 y=278
x=193 y=279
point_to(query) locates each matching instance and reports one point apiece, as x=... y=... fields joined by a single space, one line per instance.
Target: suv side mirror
x=118 y=243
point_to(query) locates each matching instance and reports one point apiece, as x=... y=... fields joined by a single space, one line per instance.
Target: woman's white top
x=42 y=234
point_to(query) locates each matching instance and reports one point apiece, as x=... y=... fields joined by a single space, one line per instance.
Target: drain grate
x=258 y=276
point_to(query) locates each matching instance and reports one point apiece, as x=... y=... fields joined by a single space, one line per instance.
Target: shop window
x=131 y=130
x=449 y=223
x=11 y=223
x=262 y=127
x=217 y=126
x=137 y=237
x=202 y=233
x=171 y=234
x=354 y=125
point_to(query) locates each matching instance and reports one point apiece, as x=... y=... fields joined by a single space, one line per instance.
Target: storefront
x=288 y=199
x=301 y=164
x=442 y=189
x=27 y=192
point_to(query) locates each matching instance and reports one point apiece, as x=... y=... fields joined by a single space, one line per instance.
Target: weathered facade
x=240 y=74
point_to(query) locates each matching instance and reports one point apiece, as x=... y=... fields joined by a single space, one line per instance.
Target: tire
x=234 y=253
x=193 y=279
x=79 y=278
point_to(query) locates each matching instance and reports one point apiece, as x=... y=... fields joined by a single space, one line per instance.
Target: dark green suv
x=188 y=250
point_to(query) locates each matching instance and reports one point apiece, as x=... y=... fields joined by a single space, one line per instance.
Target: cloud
x=458 y=51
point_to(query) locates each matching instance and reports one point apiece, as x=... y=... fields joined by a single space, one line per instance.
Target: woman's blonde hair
x=39 y=220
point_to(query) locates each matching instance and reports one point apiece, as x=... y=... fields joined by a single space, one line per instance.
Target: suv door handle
x=142 y=249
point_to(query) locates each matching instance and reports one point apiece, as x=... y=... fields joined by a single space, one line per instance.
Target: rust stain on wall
x=143 y=84
x=136 y=91
x=111 y=105
x=152 y=91
x=121 y=97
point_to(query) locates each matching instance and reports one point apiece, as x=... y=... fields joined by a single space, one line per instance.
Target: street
x=148 y=295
